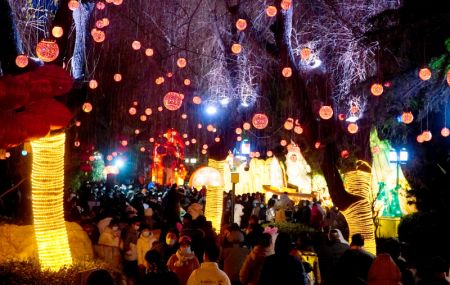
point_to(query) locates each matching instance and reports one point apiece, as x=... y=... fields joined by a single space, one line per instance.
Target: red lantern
x=289 y=124
x=407 y=117
x=173 y=101
x=326 y=112
x=159 y=80
x=420 y=138
x=238 y=131
x=352 y=128
x=149 y=52
x=427 y=136
x=298 y=130
x=305 y=53
x=181 y=62
x=187 y=82
x=87 y=107
x=197 y=100
x=148 y=111
x=246 y=126
x=425 y=73
x=271 y=11
x=445 y=132
x=184 y=116
x=73 y=5
x=137 y=131
x=98 y=35
x=286 y=4
x=109 y=157
x=260 y=121
x=241 y=24
x=117 y=2
x=193 y=141
x=76 y=143
x=448 y=78
x=124 y=142
x=57 y=31
x=93 y=84
x=217 y=139
x=239 y=138
x=341 y=117
x=283 y=143
x=100 y=5
x=77 y=123
x=236 y=48
x=143 y=118
x=142 y=149
x=345 y=154
x=376 y=89
x=117 y=77
x=287 y=72
x=21 y=60
x=47 y=50
x=136 y=45
x=317 y=145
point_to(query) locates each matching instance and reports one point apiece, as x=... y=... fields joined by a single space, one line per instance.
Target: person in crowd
x=253 y=231
x=317 y=215
x=110 y=235
x=304 y=251
x=233 y=255
x=435 y=272
x=144 y=244
x=281 y=267
x=251 y=268
x=393 y=247
x=384 y=271
x=184 y=261
x=169 y=246
x=353 y=266
x=156 y=272
x=130 y=237
x=209 y=272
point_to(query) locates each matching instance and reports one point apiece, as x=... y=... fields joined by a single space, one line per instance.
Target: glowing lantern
x=76 y=143
x=142 y=149
x=135 y=103
x=445 y=132
x=105 y=22
x=376 y=89
x=136 y=45
x=143 y=118
x=149 y=52
x=47 y=194
x=137 y=131
x=241 y=24
x=87 y=107
x=246 y=126
x=160 y=109
x=197 y=100
x=298 y=130
x=124 y=142
x=173 y=101
x=21 y=60
x=448 y=78
x=117 y=2
x=210 y=128
x=287 y=72
x=204 y=151
x=91 y=158
x=193 y=141
x=57 y=31
x=100 y=5
x=98 y=35
x=427 y=136
x=269 y=153
x=352 y=128
x=148 y=111
x=47 y=50
x=260 y=121
x=286 y=4
x=93 y=84
x=214 y=130
x=199 y=126
x=151 y=140
x=159 y=80
x=326 y=112
x=317 y=145
x=354 y=109
x=236 y=48
x=341 y=117
x=169 y=74
x=77 y=123
x=184 y=116
x=217 y=139
x=205 y=146
x=114 y=153
x=425 y=74
x=283 y=143
x=289 y=124
x=271 y=11
x=305 y=53
x=420 y=138
x=73 y=5
x=117 y=77
x=187 y=143
x=239 y=138
x=407 y=117
x=238 y=131
x=181 y=62
x=109 y=157
x=187 y=82
x=345 y=154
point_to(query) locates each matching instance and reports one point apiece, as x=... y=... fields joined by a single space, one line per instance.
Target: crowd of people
x=159 y=235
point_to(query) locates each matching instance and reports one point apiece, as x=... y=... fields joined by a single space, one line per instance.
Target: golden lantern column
x=47 y=182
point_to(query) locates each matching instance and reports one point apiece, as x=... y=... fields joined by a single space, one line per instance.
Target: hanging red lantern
x=236 y=48
x=217 y=139
x=173 y=101
x=283 y=142
x=93 y=84
x=298 y=130
x=317 y=145
x=181 y=62
x=286 y=4
x=57 y=31
x=425 y=73
x=376 y=89
x=142 y=149
x=137 y=131
x=271 y=11
x=77 y=123
x=420 y=138
x=76 y=143
x=241 y=24
x=136 y=45
x=193 y=141
x=159 y=80
x=87 y=107
x=143 y=118
x=239 y=138
x=47 y=50
x=445 y=132
x=326 y=112
x=345 y=154
x=305 y=53
x=246 y=126
x=238 y=131
x=117 y=2
x=148 y=111
x=287 y=72
x=73 y=5
x=427 y=136
x=352 y=128
x=21 y=60
x=260 y=121
x=187 y=82
x=149 y=52
x=196 y=100
x=98 y=35
x=289 y=124
x=341 y=117
x=117 y=77
x=448 y=78
x=407 y=117
x=100 y=5
x=109 y=157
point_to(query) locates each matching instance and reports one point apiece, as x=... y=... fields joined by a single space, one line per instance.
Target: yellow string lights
x=359 y=214
x=47 y=180
x=214 y=206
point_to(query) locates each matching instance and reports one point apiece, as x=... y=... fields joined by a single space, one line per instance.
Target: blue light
x=119 y=163
x=24 y=152
x=211 y=110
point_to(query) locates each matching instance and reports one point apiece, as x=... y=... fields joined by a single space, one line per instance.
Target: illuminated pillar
x=214 y=206
x=47 y=182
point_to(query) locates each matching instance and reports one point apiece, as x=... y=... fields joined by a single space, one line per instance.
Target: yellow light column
x=47 y=182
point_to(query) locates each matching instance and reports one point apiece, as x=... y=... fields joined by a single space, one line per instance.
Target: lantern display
x=345 y=154
x=407 y=117
x=21 y=60
x=98 y=35
x=376 y=89
x=236 y=48
x=445 y=132
x=181 y=62
x=117 y=77
x=149 y=52
x=57 y=31
x=47 y=50
x=196 y=100
x=420 y=138
x=289 y=124
x=143 y=118
x=260 y=121
x=326 y=112
x=283 y=143
x=239 y=138
x=241 y=24
x=298 y=130
x=271 y=11
x=238 y=131
x=93 y=84
x=217 y=139
x=73 y=5
x=425 y=73
x=287 y=72
x=352 y=128
x=286 y=4
x=187 y=82
x=148 y=111
x=87 y=107
x=184 y=116
x=305 y=53
x=246 y=126
x=427 y=136
x=136 y=45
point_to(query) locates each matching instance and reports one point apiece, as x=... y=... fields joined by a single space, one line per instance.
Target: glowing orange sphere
x=148 y=111
x=196 y=100
x=160 y=80
x=283 y=142
x=181 y=62
x=87 y=107
x=238 y=131
x=345 y=154
x=109 y=157
x=142 y=149
x=317 y=145
x=173 y=100
x=98 y=35
x=77 y=123
x=47 y=50
x=184 y=116
x=407 y=117
x=187 y=143
x=420 y=138
x=135 y=103
x=425 y=73
x=448 y=78
x=137 y=131
x=57 y=31
x=100 y=5
x=199 y=126
x=352 y=128
x=239 y=138
x=287 y=72
x=445 y=132
x=143 y=118
x=427 y=136
x=271 y=11
x=298 y=130
x=151 y=140
x=204 y=151
x=187 y=82
x=73 y=5
x=260 y=121
x=269 y=153
x=149 y=52
x=136 y=45
x=93 y=84
x=117 y=2
x=326 y=112
x=236 y=48
x=7 y=154
x=305 y=53
x=246 y=126
x=132 y=111
x=241 y=24
x=124 y=142
x=210 y=128
x=21 y=60
x=193 y=141
x=105 y=22
x=376 y=89
x=289 y=124
x=286 y=4
x=76 y=143
x=341 y=117
x=217 y=139
x=205 y=146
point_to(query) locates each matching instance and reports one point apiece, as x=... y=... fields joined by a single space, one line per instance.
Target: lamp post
x=234 y=181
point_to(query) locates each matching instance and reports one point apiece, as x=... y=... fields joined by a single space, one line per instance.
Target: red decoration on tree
x=173 y=100
x=345 y=154
x=352 y=128
x=260 y=121
x=425 y=73
x=376 y=89
x=326 y=112
x=47 y=50
x=445 y=132
x=427 y=136
x=407 y=117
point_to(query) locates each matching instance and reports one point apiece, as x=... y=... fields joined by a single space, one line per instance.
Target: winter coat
x=251 y=269
x=384 y=271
